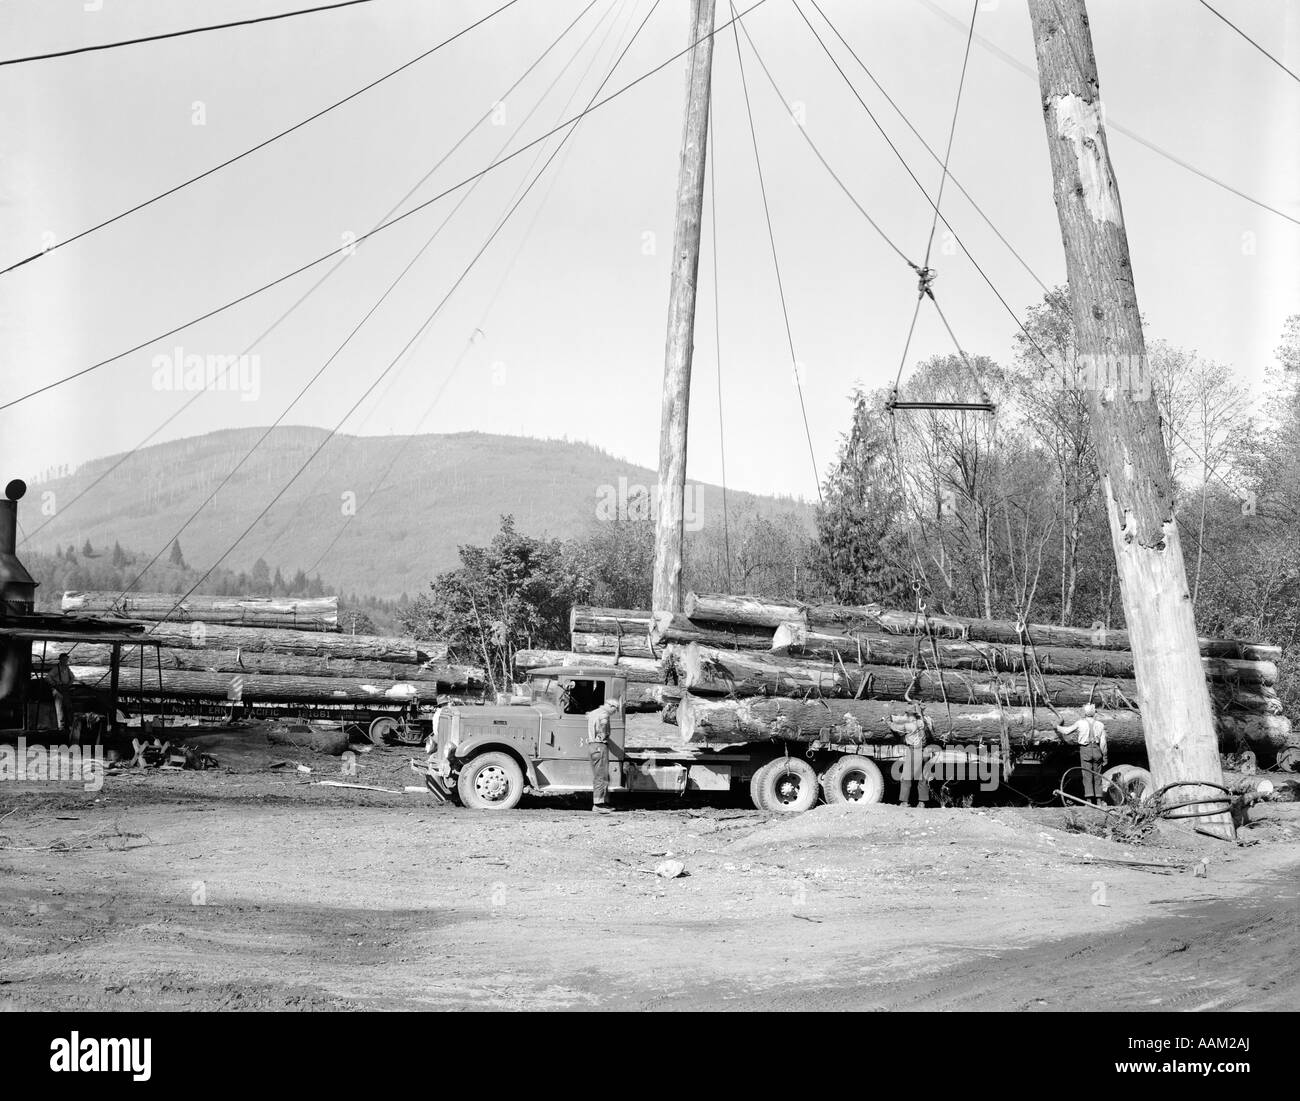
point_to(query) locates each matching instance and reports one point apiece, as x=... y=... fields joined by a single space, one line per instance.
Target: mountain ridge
x=443 y=490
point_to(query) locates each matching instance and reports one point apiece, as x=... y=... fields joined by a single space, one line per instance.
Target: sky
x=557 y=328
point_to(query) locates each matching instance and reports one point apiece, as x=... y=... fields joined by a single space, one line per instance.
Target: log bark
x=257 y=688
x=211 y=636
x=706 y=671
x=448 y=677
x=860 y=721
x=886 y=649
x=676 y=628
x=316 y=614
x=330 y=742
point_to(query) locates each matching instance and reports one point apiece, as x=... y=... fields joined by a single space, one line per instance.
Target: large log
x=636 y=670
x=675 y=627
x=755 y=611
x=609 y=621
x=632 y=646
x=453 y=677
x=871 y=616
x=706 y=671
x=862 y=721
x=212 y=636
x=883 y=648
x=291 y=613
x=256 y=688
x=749 y=611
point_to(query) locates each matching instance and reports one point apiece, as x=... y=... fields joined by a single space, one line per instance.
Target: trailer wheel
x=786 y=785
x=1124 y=781
x=853 y=779
x=381 y=729
x=493 y=781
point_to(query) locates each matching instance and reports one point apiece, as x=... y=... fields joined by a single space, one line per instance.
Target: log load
x=754 y=611
x=213 y=636
x=675 y=628
x=707 y=671
x=264 y=688
x=636 y=670
x=881 y=648
x=857 y=721
x=446 y=676
x=291 y=613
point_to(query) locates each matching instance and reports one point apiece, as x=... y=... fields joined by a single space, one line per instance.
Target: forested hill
x=442 y=491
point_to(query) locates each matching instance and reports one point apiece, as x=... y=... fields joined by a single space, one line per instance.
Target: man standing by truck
x=910 y=768
x=1090 y=735
x=598 y=752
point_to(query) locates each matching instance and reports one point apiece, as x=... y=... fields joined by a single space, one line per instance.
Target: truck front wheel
x=853 y=779
x=786 y=785
x=493 y=781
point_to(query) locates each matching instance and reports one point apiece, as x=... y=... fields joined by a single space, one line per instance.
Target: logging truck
x=489 y=757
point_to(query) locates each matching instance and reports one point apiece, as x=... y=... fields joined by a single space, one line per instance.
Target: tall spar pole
x=673 y=420
x=1125 y=422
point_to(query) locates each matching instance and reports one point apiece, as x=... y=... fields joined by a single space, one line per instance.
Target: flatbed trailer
x=489 y=757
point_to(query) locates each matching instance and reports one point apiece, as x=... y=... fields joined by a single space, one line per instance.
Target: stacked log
x=291 y=613
x=444 y=676
x=859 y=721
x=272 y=651
x=860 y=665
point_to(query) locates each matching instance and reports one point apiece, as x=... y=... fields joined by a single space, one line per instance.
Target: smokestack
x=17 y=586
x=14 y=493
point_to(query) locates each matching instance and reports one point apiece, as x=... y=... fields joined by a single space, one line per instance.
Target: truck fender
x=476 y=746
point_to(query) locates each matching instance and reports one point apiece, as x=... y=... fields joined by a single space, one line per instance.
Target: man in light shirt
x=598 y=752
x=1089 y=733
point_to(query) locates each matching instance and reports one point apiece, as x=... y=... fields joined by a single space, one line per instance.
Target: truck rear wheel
x=786 y=785
x=1124 y=781
x=493 y=781
x=853 y=779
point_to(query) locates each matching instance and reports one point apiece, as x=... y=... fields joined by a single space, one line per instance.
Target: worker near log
x=910 y=769
x=1089 y=733
x=598 y=727
x=61 y=681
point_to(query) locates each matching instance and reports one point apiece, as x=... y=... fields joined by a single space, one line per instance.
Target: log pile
x=259 y=651
x=292 y=613
x=748 y=669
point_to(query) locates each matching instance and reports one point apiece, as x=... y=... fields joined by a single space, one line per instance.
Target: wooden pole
x=1125 y=422
x=674 y=416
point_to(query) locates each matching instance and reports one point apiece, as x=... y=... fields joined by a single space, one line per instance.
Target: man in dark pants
x=910 y=769
x=1090 y=735
x=598 y=752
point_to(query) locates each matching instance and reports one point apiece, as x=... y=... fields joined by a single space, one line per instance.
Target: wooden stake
x=669 y=524
x=1125 y=422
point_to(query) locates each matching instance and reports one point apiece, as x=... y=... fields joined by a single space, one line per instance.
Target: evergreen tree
x=177 y=558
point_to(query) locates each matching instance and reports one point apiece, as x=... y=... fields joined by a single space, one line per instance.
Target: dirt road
x=252 y=888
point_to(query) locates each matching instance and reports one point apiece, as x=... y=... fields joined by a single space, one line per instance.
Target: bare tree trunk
x=1125 y=423
x=670 y=521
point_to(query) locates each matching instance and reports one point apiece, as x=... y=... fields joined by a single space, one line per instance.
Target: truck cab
x=487 y=757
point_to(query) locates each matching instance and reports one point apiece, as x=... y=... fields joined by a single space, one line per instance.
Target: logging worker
x=916 y=730
x=1089 y=733
x=61 y=681
x=598 y=725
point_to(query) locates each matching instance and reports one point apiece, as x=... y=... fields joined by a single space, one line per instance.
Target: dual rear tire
x=788 y=785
